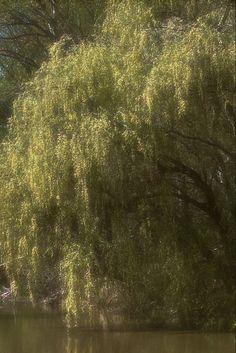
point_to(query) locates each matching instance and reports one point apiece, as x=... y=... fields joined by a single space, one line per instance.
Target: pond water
x=31 y=332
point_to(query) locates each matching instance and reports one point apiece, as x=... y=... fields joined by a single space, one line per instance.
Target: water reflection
x=30 y=333
x=151 y=342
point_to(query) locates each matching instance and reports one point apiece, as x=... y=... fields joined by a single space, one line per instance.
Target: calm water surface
x=30 y=332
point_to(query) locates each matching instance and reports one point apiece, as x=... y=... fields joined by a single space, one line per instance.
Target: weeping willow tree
x=118 y=162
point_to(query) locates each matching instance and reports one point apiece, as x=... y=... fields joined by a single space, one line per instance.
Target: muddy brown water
x=30 y=331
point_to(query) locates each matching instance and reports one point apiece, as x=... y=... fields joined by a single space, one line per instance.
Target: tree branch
x=210 y=207
x=16 y=56
x=201 y=140
x=23 y=35
x=225 y=16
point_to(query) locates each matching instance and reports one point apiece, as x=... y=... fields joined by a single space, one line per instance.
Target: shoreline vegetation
x=117 y=161
x=18 y=307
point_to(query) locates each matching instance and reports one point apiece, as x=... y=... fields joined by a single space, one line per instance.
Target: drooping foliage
x=117 y=175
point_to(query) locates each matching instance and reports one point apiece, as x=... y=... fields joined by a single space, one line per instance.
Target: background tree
x=28 y=28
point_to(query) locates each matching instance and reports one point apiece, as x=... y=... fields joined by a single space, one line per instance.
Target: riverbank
x=31 y=331
x=106 y=321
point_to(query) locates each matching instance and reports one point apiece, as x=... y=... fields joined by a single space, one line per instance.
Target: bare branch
x=21 y=58
x=225 y=15
x=23 y=35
